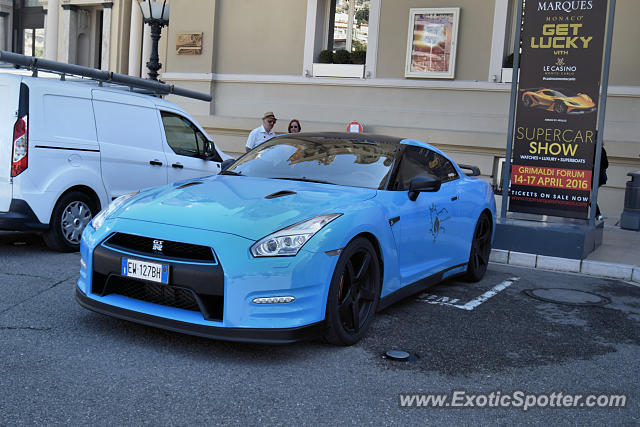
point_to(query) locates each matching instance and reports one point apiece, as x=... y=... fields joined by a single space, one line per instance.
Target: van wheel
x=71 y=215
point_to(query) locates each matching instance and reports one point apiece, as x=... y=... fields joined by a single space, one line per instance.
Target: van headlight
x=288 y=241
x=98 y=220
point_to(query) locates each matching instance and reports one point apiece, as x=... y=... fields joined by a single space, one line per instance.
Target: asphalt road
x=62 y=364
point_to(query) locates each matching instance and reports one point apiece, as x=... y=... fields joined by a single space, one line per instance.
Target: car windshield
x=353 y=163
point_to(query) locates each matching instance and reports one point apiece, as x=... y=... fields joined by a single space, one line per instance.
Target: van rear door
x=10 y=96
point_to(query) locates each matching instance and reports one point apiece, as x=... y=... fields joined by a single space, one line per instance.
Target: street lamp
x=156 y=14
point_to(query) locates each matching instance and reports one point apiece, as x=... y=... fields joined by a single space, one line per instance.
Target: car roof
x=45 y=78
x=364 y=137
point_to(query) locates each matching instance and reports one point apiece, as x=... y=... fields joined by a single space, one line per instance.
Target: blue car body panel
x=415 y=240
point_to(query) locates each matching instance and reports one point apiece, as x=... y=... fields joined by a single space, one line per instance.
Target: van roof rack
x=155 y=87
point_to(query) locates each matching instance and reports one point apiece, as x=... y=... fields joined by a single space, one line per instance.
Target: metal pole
x=601 y=110
x=506 y=171
x=154 y=60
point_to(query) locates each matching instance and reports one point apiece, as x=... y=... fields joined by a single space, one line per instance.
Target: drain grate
x=567 y=296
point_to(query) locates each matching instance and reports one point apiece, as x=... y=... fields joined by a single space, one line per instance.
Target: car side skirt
x=250 y=335
x=415 y=287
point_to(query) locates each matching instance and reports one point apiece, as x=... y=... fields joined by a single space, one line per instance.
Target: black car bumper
x=20 y=218
x=253 y=335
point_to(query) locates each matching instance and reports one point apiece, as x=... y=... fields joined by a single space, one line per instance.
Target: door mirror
x=224 y=165
x=422 y=183
x=209 y=151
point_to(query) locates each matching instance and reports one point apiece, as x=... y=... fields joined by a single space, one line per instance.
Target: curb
x=592 y=268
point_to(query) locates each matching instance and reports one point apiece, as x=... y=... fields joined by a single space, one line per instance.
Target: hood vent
x=280 y=194
x=188 y=184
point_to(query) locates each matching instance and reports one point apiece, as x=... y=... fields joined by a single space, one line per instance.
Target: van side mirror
x=209 y=152
x=422 y=183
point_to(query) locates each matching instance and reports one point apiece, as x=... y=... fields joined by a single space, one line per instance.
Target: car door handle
x=393 y=220
x=155 y=162
x=177 y=165
x=454 y=198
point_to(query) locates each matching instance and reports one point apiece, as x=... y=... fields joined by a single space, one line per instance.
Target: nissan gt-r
x=306 y=235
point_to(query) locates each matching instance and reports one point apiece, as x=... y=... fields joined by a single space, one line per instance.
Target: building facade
x=258 y=56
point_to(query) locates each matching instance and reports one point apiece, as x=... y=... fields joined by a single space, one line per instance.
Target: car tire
x=72 y=213
x=527 y=101
x=480 y=250
x=559 y=107
x=354 y=294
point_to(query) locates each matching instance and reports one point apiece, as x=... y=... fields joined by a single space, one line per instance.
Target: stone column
x=146 y=51
x=51 y=30
x=106 y=36
x=4 y=30
x=135 y=39
x=68 y=34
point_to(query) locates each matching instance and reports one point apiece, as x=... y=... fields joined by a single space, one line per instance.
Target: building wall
x=625 y=52
x=258 y=37
x=474 y=36
x=467 y=117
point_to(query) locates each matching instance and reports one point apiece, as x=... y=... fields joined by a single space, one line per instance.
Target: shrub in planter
x=342 y=57
x=359 y=57
x=325 y=57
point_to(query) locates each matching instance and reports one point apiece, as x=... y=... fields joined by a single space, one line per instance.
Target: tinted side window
x=441 y=167
x=181 y=136
x=419 y=161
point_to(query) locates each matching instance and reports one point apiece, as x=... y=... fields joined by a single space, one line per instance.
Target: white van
x=67 y=148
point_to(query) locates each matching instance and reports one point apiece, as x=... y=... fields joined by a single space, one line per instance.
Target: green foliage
x=362 y=16
x=357 y=45
x=325 y=57
x=342 y=57
x=359 y=57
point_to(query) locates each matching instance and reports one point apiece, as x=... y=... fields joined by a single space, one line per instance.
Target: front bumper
x=254 y=335
x=230 y=283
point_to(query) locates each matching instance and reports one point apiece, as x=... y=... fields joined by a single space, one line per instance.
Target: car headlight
x=98 y=220
x=288 y=241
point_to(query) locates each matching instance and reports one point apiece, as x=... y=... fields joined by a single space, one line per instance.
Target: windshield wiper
x=226 y=172
x=305 y=180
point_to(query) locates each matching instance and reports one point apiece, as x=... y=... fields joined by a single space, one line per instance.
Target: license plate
x=145 y=270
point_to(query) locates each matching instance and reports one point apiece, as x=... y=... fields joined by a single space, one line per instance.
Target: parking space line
x=451 y=302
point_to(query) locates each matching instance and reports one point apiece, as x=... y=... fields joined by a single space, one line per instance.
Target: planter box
x=507 y=73
x=338 y=70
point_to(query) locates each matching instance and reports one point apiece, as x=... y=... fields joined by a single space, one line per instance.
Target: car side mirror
x=209 y=151
x=224 y=165
x=422 y=183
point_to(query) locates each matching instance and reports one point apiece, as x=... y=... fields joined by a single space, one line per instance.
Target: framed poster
x=431 y=42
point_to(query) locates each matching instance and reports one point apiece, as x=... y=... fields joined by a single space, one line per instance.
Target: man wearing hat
x=262 y=133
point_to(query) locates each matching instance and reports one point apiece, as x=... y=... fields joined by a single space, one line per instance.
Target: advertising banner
x=554 y=137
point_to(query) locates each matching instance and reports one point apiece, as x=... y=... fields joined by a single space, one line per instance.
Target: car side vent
x=280 y=194
x=188 y=184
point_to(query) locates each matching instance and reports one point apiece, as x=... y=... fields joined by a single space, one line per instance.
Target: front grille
x=209 y=306
x=170 y=250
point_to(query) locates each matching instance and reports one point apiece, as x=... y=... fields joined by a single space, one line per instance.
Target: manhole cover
x=567 y=296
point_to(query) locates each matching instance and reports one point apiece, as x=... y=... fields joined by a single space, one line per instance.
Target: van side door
x=132 y=156
x=185 y=148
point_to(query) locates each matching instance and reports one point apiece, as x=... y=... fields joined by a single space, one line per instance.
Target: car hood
x=239 y=205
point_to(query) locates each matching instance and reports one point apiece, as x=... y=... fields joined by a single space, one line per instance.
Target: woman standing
x=294 y=126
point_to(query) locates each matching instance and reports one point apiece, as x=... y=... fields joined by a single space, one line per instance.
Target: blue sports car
x=307 y=235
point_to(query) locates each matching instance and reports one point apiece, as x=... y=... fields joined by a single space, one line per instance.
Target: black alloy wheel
x=480 y=249
x=526 y=101
x=354 y=293
x=559 y=107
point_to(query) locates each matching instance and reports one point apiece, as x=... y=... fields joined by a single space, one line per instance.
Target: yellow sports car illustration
x=554 y=100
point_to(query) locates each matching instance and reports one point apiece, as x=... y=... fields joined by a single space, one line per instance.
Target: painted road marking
x=452 y=302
